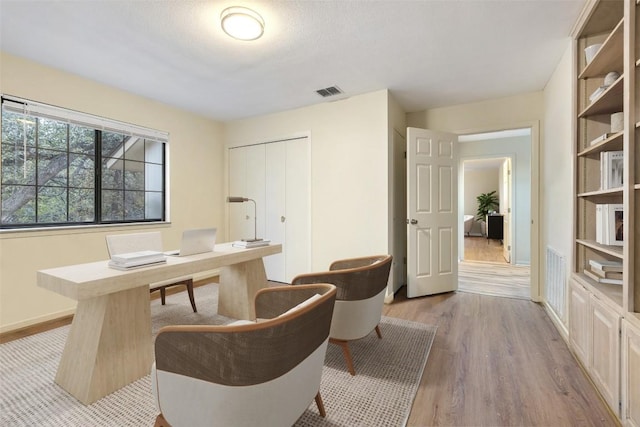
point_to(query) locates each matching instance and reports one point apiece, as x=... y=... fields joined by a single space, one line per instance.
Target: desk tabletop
x=83 y=281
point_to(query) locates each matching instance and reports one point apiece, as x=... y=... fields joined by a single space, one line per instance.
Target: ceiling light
x=242 y=23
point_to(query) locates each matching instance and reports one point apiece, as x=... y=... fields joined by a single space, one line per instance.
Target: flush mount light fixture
x=242 y=23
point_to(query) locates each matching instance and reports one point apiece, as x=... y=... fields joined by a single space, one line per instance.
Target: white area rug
x=381 y=394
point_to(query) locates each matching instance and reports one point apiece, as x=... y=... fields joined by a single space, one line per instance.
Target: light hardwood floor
x=482 y=249
x=497 y=362
x=494 y=362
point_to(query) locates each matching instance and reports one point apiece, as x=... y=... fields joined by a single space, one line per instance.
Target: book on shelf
x=606 y=265
x=600 y=138
x=607 y=274
x=250 y=243
x=611 y=169
x=609 y=224
x=599 y=279
x=136 y=259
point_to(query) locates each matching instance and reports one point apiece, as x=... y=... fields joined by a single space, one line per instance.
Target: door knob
x=414 y=221
x=282 y=219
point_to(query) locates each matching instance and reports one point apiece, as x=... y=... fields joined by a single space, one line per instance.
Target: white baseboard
x=557 y=322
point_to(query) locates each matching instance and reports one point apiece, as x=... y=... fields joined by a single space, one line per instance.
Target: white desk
x=109 y=344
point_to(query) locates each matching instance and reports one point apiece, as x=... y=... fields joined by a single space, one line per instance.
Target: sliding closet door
x=246 y=179
x=276 y=184
x=281 y=170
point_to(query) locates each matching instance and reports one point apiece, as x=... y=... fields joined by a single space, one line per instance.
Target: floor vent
x=329 y=91
x=556 y=286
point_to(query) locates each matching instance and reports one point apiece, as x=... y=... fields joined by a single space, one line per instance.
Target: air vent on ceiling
x=329 y=91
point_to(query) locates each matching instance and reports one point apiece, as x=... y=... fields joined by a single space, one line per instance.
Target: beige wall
x=494 y=114
x=349 y=164
x=556 y=165
x=196 y=158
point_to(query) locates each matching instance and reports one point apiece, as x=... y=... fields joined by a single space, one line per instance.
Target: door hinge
x=405 y=154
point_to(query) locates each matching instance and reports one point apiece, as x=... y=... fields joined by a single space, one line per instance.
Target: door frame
x=461 y=182
x=534 y=126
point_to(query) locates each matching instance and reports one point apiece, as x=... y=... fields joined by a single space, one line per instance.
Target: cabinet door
x=605 y=354
x=579 y=322
x=630 y=375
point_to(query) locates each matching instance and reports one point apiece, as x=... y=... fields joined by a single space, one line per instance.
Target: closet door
x=246 y=179
x=275 y=183
x=287 y=204
x=298 y=209
x=277 y=176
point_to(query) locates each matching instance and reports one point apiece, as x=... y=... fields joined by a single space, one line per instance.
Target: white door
x=505 y=209
x=432 y=210
x=288 y=208
x=277 y=176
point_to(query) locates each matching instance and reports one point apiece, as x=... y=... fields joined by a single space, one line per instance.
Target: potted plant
x=487 y=202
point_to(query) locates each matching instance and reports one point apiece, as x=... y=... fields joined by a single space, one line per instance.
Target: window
x=61 y=167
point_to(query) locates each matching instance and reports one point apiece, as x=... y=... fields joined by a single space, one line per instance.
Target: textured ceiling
x=428 y=53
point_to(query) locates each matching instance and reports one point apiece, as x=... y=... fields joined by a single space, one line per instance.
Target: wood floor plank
x=497 y=362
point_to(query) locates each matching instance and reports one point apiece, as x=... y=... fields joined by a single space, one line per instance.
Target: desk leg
x=109 y=345
x=238 y=286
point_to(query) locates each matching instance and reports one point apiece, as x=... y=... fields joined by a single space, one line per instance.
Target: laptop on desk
x=196 y=241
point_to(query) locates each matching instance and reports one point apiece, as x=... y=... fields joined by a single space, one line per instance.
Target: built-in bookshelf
x=604 y=304
x=596 y=139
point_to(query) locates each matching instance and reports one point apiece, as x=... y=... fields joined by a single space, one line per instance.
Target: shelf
x=609 y=57
x=611 y=192
x=614 y=251
x=609 y=102
x=613 y=143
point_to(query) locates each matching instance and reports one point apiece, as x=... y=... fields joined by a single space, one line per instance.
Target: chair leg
x=189 y=285
x=161 y=422
x=320 y=405
x=163 y=294
x=346 y=352
x=378 y=331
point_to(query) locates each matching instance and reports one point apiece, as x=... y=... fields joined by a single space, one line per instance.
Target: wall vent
x=329 y=91
x=556 y=282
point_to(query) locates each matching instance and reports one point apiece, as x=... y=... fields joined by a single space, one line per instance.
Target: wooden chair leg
x=163 y=294
x=378 y=331
x=161 y=422
x=189 y=284
x=346 y=352
x=320 y=405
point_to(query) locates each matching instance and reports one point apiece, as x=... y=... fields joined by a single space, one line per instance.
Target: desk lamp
x=238 y=199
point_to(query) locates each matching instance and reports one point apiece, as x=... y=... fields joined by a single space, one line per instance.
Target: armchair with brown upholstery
x=263 y=373
x=361 y=284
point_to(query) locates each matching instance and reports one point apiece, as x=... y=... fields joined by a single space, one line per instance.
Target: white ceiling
x=429 y=53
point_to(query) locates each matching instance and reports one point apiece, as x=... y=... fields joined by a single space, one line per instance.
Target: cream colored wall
x=494 y=114
x=478 y=181
x=349 y=170
x=556 y=166
x=196 y=159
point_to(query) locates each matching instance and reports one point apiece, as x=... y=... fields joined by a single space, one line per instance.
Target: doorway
x=495 y=245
